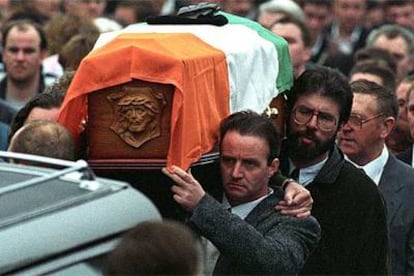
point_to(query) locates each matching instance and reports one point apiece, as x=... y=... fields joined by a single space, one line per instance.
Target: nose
x=237 y=171
x=20 y=55
x=313 y=122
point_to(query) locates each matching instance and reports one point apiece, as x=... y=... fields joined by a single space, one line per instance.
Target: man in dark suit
x=251 y=238
x=407 y=155
x=347 y=203
x=362 y=139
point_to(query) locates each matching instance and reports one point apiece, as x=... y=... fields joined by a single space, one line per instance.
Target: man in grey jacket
x=250 y=236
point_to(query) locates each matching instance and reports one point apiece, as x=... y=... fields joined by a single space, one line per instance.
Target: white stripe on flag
x=252 y=61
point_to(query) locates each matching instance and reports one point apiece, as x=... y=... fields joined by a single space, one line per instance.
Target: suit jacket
x=406 y=156
x=266 y=242
x=397 y=187
x=351 y=212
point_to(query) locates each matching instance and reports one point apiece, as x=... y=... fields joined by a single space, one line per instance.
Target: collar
x=308 y=174
x=242 y=210
x=375 y=167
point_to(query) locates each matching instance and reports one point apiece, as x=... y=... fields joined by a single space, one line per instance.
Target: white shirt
x=375 y=167
x=308 y=174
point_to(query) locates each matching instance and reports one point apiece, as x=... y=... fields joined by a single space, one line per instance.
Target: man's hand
x=297 y=201
x=187 y=190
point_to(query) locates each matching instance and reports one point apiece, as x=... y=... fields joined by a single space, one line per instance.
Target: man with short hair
x=399 y=41
x=347 y=203
x=399 y=12
x=251 y=237
x=297 y=36
x=362 y=139
x=44 y=138
x=407 y=155
x=24 y=47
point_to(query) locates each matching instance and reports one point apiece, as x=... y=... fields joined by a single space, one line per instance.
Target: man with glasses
x=347 y=203
x=362 y=139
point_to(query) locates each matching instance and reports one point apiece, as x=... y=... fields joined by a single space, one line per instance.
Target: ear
x=388 y=126
x=274 y=167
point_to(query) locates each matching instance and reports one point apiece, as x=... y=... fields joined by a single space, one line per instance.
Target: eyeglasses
x=325 y=121
x=356 y=121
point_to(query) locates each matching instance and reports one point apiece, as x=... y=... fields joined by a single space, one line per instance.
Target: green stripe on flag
x=284 y=79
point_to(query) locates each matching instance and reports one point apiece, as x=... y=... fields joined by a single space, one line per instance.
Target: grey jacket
x=397 y=187
x=266 y=242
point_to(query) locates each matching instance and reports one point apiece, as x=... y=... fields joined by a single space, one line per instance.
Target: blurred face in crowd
x=22 y=55
x=48 y=8
x=398 y=47
x=402 y=91
x=317 y=17
x=363 y=143
x=92 y=8
x=299 y=53
x=313 y=125
x=349 y=13
x=237 y=7
x=410 y=112
x=401 y=14
x=244 y=167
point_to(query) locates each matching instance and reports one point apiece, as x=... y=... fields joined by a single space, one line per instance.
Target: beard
x=299 y=151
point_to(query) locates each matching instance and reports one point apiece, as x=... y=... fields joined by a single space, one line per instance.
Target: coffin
x=153 y=95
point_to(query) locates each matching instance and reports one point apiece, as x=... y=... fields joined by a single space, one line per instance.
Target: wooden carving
x=137 y=114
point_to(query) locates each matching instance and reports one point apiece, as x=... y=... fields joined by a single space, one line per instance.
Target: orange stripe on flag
x=196 y=70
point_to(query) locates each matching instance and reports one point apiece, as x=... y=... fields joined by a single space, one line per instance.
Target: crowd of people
x=349 y=137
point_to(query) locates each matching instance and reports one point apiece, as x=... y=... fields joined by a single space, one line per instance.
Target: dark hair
x=375 y=67
x=327 y=3
x=155 y=248
x=391 y=3
x=386 y=100
x=328 y=83
x=23 y=24
x=305 y=35
x=381 y=56
x=252 y=124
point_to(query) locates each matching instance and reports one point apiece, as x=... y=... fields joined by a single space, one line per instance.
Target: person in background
x=400 y=12
x=43 y=138
x=348 y=204
x=250 y=236
x=59 y=30
x=318 y=15
x=407 y=155
x=75 y=50
x=376 y=71
x=24 y=48
x=362 y=139
x=130 y=11
x=397 y=40
x=244 y=8
x=271 y=11
x=44 y=106
x=156 y=248
x=297 y=36
x=346 y=34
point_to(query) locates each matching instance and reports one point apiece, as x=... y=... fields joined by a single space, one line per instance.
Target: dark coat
x=351 y=212
x=406 y=156
x=266 y=242
x=397 y=187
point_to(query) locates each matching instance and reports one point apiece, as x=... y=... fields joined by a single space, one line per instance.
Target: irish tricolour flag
x=214 y=70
